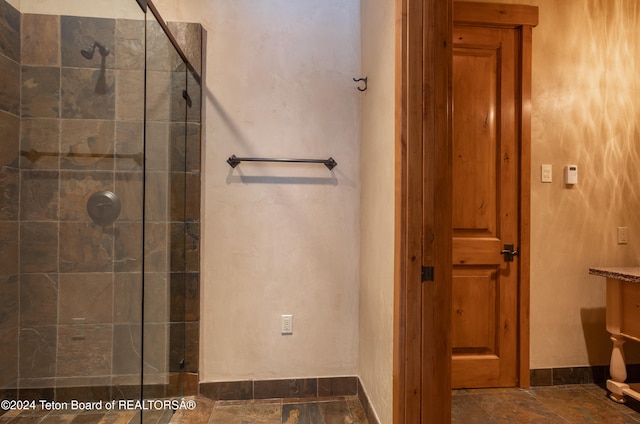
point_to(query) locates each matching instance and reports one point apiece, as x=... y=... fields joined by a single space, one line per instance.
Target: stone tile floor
x=338 y=410
x=558 y=404
x=577 y=404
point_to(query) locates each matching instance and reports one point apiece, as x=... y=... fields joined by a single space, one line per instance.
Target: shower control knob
x=103 y=207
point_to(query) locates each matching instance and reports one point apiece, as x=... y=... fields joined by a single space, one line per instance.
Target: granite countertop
x=624 y=273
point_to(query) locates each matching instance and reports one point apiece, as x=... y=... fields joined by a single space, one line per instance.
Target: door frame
x=422 y=311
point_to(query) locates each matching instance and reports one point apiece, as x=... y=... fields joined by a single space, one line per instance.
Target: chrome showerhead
x=88 y=53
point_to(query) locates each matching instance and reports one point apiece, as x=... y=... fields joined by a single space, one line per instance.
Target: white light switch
x=546 y=173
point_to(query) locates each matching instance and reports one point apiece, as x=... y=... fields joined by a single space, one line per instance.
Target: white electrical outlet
x=623 y=237
x=287 y=324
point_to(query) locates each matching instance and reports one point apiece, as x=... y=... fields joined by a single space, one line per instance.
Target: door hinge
x=427 y=273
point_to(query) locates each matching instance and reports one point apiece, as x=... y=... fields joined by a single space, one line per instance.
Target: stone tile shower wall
x=9 y=177
x=72 y=317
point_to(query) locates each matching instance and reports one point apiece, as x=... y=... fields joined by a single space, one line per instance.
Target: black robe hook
x=365 y=83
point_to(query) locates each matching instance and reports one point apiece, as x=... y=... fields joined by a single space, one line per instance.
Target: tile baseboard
x=366 y=404
x=597 y=374
x=298 y=388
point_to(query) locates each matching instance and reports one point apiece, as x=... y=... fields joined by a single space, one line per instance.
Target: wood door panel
x=475 y=163
x=485 y=207
x=475 y=371
x=476 y=250
x=475 y=311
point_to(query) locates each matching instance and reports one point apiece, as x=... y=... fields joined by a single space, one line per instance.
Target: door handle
x=508 y=252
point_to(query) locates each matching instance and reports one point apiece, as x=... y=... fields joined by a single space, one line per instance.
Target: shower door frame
x=148 y=5
x=187 y=382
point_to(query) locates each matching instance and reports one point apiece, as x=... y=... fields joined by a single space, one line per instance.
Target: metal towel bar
x=235 y=161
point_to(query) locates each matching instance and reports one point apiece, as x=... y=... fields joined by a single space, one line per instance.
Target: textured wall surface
x=377 y=205
x=282 y=239
x=103 y=8
x=279 y=239
x=585 y=112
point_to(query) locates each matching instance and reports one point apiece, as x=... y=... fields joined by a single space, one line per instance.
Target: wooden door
x=485 y=208
x=488 y=167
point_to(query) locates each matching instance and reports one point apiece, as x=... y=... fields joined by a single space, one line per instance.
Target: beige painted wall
x=377 y=205
x=585 y=112
x=279 y=239
x=95 y=8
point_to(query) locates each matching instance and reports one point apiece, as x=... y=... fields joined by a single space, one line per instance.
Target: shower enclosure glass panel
x=95 y=224
x=164 y=218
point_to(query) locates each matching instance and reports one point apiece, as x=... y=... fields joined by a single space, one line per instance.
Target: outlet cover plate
x=287 y=324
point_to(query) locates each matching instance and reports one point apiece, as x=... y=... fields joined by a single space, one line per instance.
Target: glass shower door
x=172 y=202
x=72 y=184
x=98 y=237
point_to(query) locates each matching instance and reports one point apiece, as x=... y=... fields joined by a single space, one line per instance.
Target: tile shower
x=92 y=310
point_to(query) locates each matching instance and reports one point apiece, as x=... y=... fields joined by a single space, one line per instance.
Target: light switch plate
x=546 y=173
x=623 y=235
